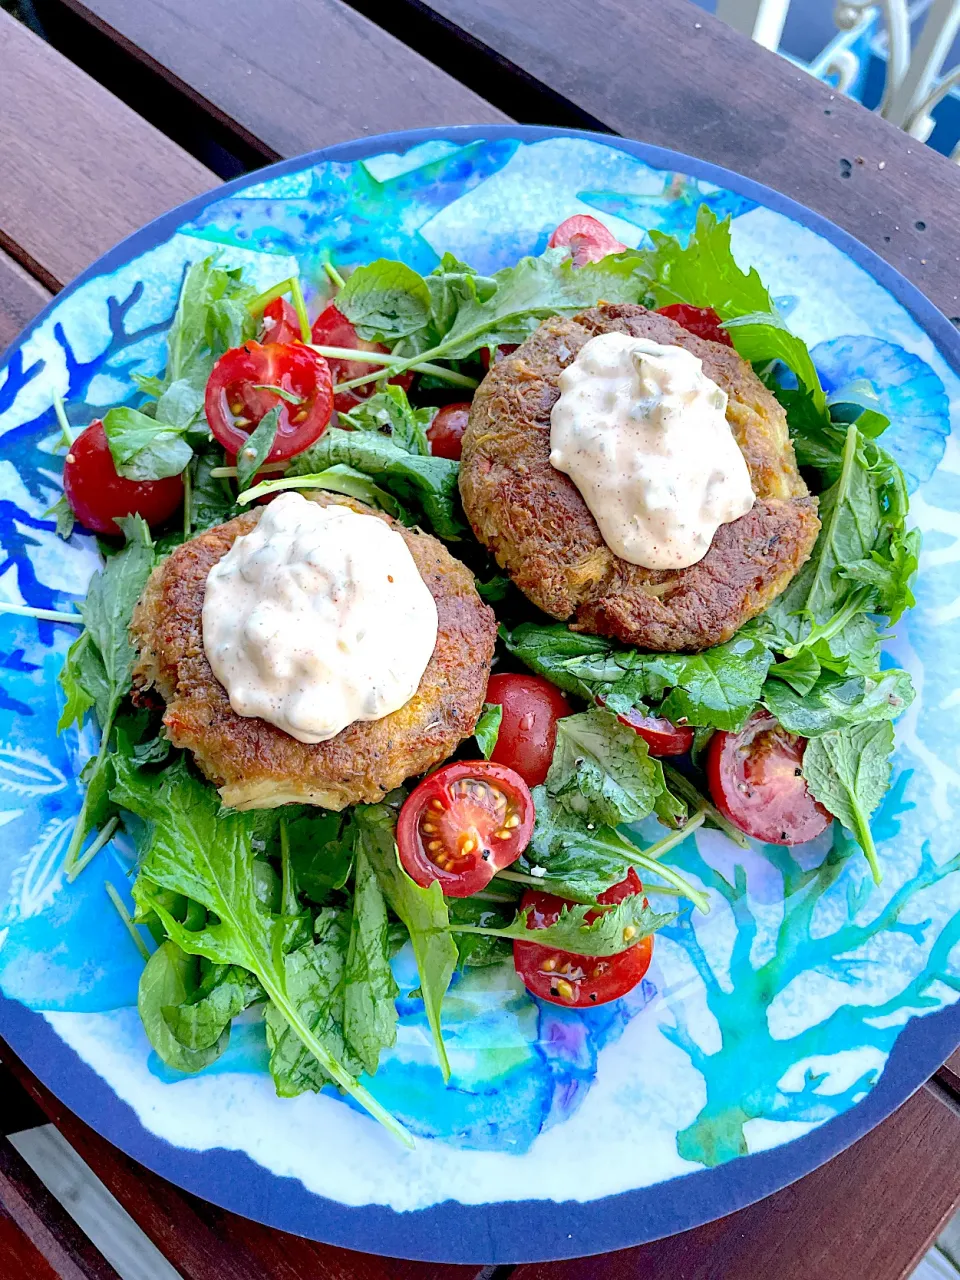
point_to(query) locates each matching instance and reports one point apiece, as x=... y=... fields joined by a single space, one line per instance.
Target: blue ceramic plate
x=766 y=1036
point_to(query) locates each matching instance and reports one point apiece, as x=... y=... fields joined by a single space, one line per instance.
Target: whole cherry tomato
x=702 y=321
x=464 y=823
x=332 y=329
x=97 y=493
x=662 y=736
x=445 y=432
x=528 y=729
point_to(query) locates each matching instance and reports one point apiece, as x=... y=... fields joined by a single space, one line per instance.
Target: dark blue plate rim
x=524 y=1230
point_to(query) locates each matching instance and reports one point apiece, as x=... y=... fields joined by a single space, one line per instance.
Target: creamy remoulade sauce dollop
x=641 y=431
x=316 y=618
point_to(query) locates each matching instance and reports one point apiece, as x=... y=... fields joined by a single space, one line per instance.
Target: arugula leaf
x=180 y=405
x=314 y=974
x=143 y=448
x=848 y=772
x=705 y=273
x=477 y=950
x=98 y=670
x=195 y=848
x=62 y=512
x=211 y=317
x=370 y=991
x=385 y=300
x=800 y=672
x=601 y=769
x=426 y=484
x=321 y=852
x=717 y=688
x=889 y=573
x=259 y=443
x=212 y=500
x=835 y=701
x=201 y=1020
x=614 y=929
x=336 y=479
x=495 y=589
x=391 y=413
x=166 y=982
x=423 y=911
x=488 y=728
x=581 y=858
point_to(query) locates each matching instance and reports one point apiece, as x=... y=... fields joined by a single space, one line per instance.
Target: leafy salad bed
x=299 y=910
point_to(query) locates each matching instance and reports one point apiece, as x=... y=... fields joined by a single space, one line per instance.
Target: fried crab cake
x=257 y=766
x=535 y=522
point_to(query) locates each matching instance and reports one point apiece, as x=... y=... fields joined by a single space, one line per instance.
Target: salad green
x=297 y=912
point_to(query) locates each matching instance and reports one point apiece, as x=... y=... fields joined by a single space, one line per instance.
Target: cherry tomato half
x=445 y=432
x=756 y=781
x=702 y=321
x=528 y=730
x=97 y=493
x=662 y=736
x=500 y=353
x=280 y=322
x=234 y=405
x=587 y=239
x=579 y=981
x=332 y=329
x=464 y=823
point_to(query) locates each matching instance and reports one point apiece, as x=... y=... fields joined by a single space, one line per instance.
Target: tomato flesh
x=463 y=824
x=445 y=432
x=579 y=982
x=702 y=321
x=235 y=403
x=587 y=239
x=332 y=329
x=756 y=781
x=98 y=494
x=662 y=736
x=528 y=729
x=280 y=322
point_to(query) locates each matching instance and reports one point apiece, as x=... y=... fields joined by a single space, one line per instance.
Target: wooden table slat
x=869 y=1214
x=21 y=297
x=202 y=1241
x=667 y=73
x=80 y=169
x=323 y=74
x=27 y=1204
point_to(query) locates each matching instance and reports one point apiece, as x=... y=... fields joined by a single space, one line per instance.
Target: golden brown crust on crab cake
x=535 y=522
x=256 y=765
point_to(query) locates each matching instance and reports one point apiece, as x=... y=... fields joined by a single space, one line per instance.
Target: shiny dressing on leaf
x=641 y=431
x=316 y=618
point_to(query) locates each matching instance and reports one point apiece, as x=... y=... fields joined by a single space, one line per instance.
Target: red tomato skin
x=461 y=814
x=280 y=322
x=445 y=432
x=603 y=978
x=755 y=781
x=292 y=366
x=528 y=730
x=499 y=354
x=587 y=238
x=701 y=321
x=662 y=736
x=97 y=493
x=332 y=329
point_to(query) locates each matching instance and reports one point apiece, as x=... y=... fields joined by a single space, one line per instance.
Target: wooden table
x=92 y=148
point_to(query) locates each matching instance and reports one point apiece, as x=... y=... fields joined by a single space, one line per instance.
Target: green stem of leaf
x=188 y=499
x=288 y=897
x=125 y=916
x=103 y=837
x=334 y=275
x=330 y=479
x=67 y=436
x=72 y=863
x=44 y=615
x=390 y=362
x=856 y=603
x=230 y=473
x=864 y=838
